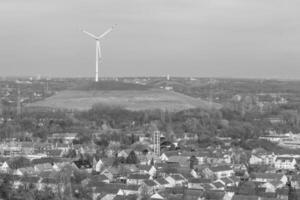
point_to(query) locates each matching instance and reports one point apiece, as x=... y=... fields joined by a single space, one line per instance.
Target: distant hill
x=109 y=85
x=134 y=99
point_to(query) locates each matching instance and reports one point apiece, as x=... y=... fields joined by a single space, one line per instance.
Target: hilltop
x=133 y=99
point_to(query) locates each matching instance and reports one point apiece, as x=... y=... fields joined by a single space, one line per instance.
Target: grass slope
x=129 y=99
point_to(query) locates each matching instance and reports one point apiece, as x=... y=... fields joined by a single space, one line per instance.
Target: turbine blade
x=90 y=34
x=106 y=32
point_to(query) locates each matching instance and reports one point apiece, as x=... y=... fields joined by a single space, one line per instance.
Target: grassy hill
x=109 y=85
x=130 y=99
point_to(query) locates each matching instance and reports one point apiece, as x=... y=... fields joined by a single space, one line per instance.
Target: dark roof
x=244 y=197
x=150 y=183
x=128 y=197
x=108 y=188
x=54 y=152
x=192 y=194
x=144 y=167
x=138 y=176
x=218 y=184
x=227 y=180
x=162 y=181
x=283 y=159
x=267 y=175
x=199 y=180
x=177 y=177
x=30 y=179
x=214 y=195
x=220 y=168
x=49 y=180
x=43 y=160
x=83 y=164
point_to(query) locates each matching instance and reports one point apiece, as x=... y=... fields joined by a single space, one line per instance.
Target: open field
x=129 y=99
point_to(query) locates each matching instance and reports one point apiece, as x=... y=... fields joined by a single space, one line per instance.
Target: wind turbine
x=98 y=47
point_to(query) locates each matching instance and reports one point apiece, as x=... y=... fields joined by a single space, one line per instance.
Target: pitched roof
x=144 y=167
x=42 y=160
x=150 y=183
x=128 y=197
x=43 y=167
x=270 y=176
x=161 y=181
x=220 y=168
x=244 y=197
x=199 y=180
x=177 y=177
x=30 y=179
x=178 y=159
x=82 y=164
x=284 y=159
x=227 y=180
x=49 y=181
x=192 y=194
x=218 y=184
x=138 y=176
x=171 y=153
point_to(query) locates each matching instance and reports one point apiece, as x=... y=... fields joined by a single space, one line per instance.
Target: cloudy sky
x=210 y=38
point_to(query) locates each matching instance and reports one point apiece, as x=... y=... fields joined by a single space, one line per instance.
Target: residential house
x=137 y=179
x=285 y=162
x=29 y=182
x=125 y=190
x=124 y=153
x=191 y=194
x=43 y=167
x=83 y=165
x=24 y=171
x=66 y=138
x=218 y=185
x=5 y=168
x=218 y=172
x=227 y=181
x=176 y=180
x=46 y=183
x=148 y=169
x=262 y=159
x=108 y=174
x=162 y=183
x=151 y=186
x=165 y=155
x=157 y=196
x=182 y=161
x=99 y=165
x=269 y=177
x=198 y=183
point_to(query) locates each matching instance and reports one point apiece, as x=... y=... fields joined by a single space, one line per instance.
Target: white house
x=99 y=165
x=262 y=159
x=219 y=172
x=5 y=167
x=176 y=180
x=157 y=196
x=269 y=177
x=282 y=162
x=137 y=179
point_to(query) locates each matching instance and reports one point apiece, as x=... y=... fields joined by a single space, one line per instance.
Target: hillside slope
x=129 y=99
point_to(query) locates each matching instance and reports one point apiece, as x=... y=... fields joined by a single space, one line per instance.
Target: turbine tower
x=98 y=48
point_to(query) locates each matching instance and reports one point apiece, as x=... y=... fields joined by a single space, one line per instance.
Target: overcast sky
x=210 y=38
